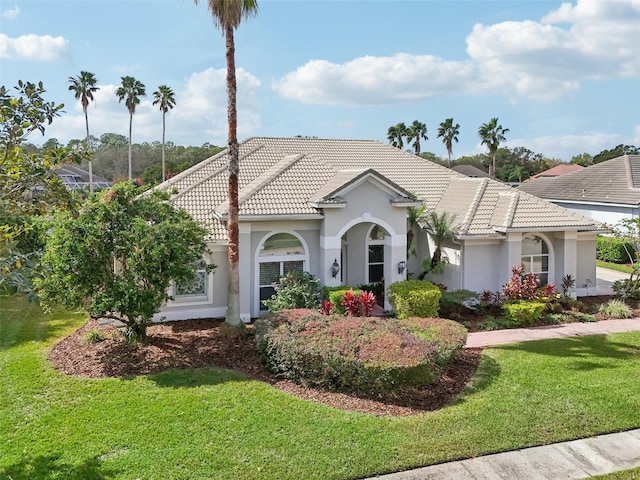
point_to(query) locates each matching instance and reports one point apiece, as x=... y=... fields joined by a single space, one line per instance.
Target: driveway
x=605 y=279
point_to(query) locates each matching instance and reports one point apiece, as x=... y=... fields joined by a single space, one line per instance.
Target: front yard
x=215 y=423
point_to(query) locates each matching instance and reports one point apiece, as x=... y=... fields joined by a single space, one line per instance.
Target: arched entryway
x=278 y=254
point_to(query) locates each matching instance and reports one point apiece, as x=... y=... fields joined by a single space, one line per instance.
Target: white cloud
x=200 y=114
x=540 y=60
x=374 y=80
x=39 y=48
x=11 y=13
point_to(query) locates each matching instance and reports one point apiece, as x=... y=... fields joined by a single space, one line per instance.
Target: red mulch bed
x=199 y=343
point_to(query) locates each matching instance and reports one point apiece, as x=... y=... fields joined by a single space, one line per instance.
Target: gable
x=301 y=178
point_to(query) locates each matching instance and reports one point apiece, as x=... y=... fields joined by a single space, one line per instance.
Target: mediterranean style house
x=338 y=210
x=607 y=192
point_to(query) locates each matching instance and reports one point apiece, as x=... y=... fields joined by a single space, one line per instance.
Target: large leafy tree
x=396 y=134
x=227 y=16
x=165 y=98
x=130 y=91
x=449 y=132
x=119 y=255
x=492 y=134
x=84 y=86
x=416 y=131
x=29 y=186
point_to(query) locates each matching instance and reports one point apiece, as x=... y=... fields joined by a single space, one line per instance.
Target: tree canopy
x=118 y=257
x=29 y=186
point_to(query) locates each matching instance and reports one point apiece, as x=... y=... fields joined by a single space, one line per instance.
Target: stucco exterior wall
x=609 y=214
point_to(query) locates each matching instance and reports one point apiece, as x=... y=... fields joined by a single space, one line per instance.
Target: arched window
x=375 y=254
x=535 y=257
x=280 y=254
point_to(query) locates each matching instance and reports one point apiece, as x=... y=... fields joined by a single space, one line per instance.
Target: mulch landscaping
x=199 y=344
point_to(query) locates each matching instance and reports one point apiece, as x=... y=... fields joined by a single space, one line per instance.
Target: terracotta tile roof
x=284 y=176
x=556 y=171
x=614 y=181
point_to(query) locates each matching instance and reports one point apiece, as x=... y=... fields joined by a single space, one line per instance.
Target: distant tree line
x=111 y=153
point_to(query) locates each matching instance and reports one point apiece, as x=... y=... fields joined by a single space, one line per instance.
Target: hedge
x=524 y=312
x=362 y=355
x=414 y=298
x=614 y=249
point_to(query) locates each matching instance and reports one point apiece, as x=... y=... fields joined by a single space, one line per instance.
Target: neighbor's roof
x=75 y=178
x=290 y=178
x=616 y=181
x=556 y=171
x=470 y=171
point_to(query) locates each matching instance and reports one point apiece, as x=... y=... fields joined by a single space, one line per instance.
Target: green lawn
x=614 y=266
x=207 y=424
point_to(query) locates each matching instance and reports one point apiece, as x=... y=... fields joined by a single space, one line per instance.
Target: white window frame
x=549 y=255
x=304 y=257
x=370 y=242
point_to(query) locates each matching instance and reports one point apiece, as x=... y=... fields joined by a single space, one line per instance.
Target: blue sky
x=563 y=77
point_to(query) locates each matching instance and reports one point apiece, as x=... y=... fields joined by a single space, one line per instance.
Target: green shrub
x=585 y=318
x=363 y=355
x=414 y=298
x=557 y=318
x=614 y=250
x=335 y=295
x=523 y=313
x=94 y=336
x=452 y=301
x=615 y=309
x=295 y=290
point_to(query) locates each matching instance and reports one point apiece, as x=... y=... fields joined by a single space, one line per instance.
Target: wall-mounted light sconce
x=402 y=265
x=335 y=268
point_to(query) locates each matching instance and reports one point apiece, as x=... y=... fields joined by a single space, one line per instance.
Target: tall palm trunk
x=86 y=121
x=233 y=296
x=164 y=177
x=130 y=124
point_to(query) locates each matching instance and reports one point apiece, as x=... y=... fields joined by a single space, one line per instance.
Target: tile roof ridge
x=483 y=182
x=215 y=172
x=263 y=179
x=513 y=205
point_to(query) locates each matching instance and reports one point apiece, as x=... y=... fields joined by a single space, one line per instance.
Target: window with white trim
x=535 y=257
x=196 y=286
x=280 y=254
x=375 y=254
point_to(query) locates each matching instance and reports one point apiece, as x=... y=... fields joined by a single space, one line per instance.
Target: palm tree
x=165 y=97
x=227 y=15
x=415 y=132
x=130 y=91
x=492 y=135
x=449 y=133
x=396 y=133
x=84 y=86
x=440 y=228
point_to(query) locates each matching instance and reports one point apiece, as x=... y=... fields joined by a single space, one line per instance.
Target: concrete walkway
x=582 y=458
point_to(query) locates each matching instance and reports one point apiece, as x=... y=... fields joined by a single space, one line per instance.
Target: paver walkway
x=575 y=459
x=512 y=335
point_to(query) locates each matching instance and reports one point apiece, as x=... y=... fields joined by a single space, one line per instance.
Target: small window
x=535 y=257
x=375 y=254
x=196 y=286
x=281 y=244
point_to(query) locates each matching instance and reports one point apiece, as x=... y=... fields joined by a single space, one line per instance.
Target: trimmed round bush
x=362 y=355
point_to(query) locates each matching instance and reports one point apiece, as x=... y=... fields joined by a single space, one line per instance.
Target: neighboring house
x=556 y=171
x=75 y=178
x=470 y=171
x=607 y=192
x=338 y=209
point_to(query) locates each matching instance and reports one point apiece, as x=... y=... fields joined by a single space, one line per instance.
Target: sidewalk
x=575 y=459
x=582 y=458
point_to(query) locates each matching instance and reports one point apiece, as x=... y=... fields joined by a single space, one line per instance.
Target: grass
x=624 y=475
x=614 y=266
x=209 y=423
